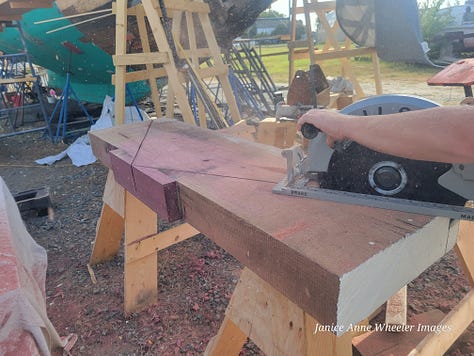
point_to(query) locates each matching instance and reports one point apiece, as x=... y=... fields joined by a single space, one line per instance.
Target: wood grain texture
x=337 y=262
x=459 y=73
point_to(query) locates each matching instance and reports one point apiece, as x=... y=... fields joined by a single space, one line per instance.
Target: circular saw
x=350 y=172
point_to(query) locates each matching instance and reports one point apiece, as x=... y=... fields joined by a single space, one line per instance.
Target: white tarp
x=80 y=151
x=25 y=328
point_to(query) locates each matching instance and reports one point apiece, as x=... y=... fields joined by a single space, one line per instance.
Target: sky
x=282 y=5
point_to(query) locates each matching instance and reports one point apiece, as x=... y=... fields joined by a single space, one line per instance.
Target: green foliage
x=271 y=13
x=431 y=20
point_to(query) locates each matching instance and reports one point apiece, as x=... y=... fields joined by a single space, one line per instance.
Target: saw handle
x=309 y=131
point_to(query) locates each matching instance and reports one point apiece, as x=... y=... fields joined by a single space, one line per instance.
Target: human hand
x=330 y=122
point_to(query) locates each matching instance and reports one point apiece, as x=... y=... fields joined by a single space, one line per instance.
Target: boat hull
x=91 y=70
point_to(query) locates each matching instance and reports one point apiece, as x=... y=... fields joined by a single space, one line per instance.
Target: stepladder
x=177 y=43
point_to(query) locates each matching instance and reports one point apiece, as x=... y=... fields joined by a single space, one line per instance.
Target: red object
x=460 y=73
x=71 y=47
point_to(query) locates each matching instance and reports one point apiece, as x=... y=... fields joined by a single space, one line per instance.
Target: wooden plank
x=145 y=41
x=457 y=320
x=109 y=235
x=140 y=58
x=120 y=50
x=465 y=246
x=111 y=225
x=142 y=75
x=396 y=310
x=223 y=78
x=140 y=276
x=383 y=342
x=173 y=78
x=228 y=341
x=459 y=73
x=276 y=325
x=276 y=133
x=187 y=5
x=151 y=244
x=18 y=80
x=114 y=194
x=267 y=317
x=329 y=255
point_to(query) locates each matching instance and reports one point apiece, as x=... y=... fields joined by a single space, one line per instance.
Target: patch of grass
x=276 y=60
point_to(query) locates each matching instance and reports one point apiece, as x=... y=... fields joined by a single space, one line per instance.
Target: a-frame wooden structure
x=168 y=46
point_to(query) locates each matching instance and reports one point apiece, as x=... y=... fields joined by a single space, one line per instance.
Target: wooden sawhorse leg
x=462 y=315
x=275 y=324
x=123 y=213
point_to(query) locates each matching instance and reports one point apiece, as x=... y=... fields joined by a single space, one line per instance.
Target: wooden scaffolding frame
x=332 y=48
x=161 y=62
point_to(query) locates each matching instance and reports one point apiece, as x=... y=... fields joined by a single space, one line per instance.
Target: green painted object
x=91 y=71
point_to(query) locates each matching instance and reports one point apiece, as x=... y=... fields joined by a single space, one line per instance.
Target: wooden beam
x=138 y=75
x=140 y=276
x=465 y=246
x=320 y=6
x=110 y=226
x=396 y=310
x=226 y=194
x=151 y=244
x=121 y=26
x=187 y=5
x=109 y=235
x=228 y=341
x=141 y=58
x=275 y=324
x=17 y=80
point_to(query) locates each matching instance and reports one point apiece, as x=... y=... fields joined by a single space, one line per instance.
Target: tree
x=271 y=14
x=433 y=21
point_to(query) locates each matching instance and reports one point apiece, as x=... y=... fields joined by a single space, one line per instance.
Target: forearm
x=444 y=134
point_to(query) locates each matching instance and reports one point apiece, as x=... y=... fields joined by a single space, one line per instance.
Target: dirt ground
x=196 y=277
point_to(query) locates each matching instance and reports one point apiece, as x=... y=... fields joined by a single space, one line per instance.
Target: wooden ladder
x=160 y=62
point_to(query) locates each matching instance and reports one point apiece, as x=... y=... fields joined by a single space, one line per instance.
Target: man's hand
x=332 y=123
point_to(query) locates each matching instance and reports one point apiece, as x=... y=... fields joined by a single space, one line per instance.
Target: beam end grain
x=372 y=283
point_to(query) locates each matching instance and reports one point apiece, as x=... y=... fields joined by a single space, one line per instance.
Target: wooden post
x=110 y=226
x=145 y=41
x=465 y=246
x=462 y=315
x=274 y=323
x=141 y=276
x=120 y=49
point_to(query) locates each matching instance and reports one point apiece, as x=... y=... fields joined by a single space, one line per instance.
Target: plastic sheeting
x=392 y=27
x=80 y=151
x=24 y=325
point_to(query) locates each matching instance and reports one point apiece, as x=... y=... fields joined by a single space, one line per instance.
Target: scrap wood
x=91 y=273
x=68 y=343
